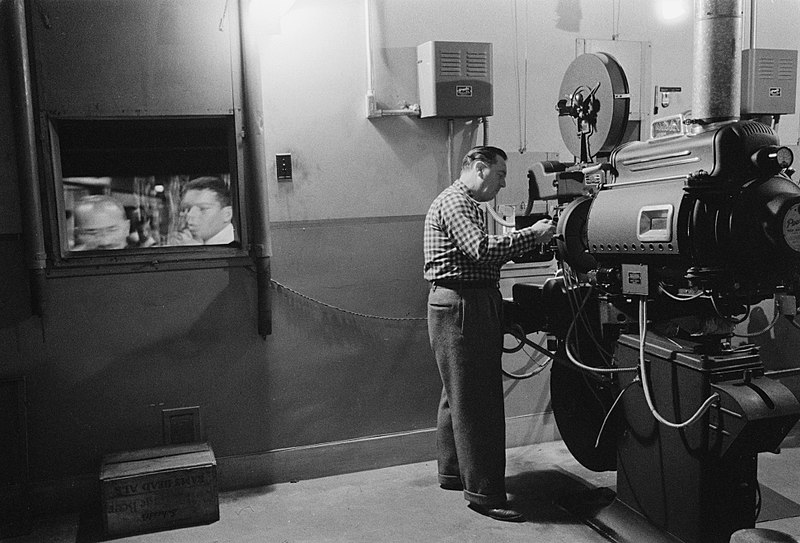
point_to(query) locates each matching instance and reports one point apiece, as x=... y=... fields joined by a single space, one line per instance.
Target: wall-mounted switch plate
x=283 y=165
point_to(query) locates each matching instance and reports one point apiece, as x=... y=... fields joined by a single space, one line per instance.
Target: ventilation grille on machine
x=752 y=128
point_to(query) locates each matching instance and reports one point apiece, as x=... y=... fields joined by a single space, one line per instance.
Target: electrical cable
x=766 y=329
x=646 y=387
x=613 y=405
x=572 y=283
x=535 y=371
x=566 y=276
x=575 y=305
x=769 y=326
x=574 y=286
x=519 y=333
x=579 y=365
x=728 y=318
x=677 y=298
x=573 y=359
x=525 y=341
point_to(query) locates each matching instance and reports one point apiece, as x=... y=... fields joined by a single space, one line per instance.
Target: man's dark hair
x=211 y=183
x=485 y=153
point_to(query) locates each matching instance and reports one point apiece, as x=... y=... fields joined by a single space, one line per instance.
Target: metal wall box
x=455 y=79
x=769 y=81
x=159 y=488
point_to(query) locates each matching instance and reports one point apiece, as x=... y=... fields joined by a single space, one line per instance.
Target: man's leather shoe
x=504 y=512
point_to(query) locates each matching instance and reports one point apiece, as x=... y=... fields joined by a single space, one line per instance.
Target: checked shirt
x=457 y=245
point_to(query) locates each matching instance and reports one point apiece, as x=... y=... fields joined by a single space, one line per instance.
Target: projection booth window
x=145 y=184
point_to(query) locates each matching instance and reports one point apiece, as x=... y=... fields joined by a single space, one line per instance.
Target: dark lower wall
x=345 y=382
x=348 y=357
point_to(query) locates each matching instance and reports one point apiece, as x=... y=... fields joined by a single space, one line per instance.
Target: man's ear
x=480 y=167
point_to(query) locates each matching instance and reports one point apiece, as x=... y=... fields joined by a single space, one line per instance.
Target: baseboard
x=300 y=463
x=326 y=459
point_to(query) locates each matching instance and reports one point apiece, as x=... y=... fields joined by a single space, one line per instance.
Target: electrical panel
x=455 y=79
x=769 y=81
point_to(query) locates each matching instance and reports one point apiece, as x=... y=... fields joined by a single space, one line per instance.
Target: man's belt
x=457 y=284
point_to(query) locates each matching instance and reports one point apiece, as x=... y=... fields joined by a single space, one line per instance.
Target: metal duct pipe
x=256 y=167
x=717 y=70
x=27 y=163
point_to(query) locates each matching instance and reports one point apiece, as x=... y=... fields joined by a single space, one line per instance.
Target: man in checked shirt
x=462 y=263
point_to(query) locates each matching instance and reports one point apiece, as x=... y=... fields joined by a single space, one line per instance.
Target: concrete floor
x=405 y=504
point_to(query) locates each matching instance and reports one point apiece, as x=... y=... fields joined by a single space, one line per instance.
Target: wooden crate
x=159 y=488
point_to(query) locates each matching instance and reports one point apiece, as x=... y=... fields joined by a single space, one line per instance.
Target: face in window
x=100 y=223
x=207 y=218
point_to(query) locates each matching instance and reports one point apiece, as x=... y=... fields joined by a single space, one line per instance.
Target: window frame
x=62 y=261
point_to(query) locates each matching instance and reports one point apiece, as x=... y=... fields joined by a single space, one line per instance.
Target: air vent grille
x=787 y=69
x=450 y=63
x=477 y=64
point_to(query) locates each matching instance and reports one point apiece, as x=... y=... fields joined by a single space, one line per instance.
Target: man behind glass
x=100 y=224
x=206 y=213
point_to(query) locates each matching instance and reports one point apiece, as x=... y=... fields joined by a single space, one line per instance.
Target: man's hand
x=544 y=229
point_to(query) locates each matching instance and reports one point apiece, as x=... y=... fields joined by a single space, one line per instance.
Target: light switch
x=283 y=165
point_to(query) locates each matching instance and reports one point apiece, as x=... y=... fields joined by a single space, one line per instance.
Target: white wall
x=348 y=166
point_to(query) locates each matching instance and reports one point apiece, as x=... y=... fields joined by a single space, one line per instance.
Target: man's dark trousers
x=465 y=329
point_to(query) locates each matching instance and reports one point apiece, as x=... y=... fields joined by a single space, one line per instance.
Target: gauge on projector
x=784 y=157
x=772 y=158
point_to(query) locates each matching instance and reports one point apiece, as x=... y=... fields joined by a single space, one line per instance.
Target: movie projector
x=663 y=246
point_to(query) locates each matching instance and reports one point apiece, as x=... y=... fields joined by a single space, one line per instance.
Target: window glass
x=140 y=212
x=146 y=183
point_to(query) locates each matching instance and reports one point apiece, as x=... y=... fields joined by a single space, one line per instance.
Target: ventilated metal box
x=455 y=79
x=769 y=81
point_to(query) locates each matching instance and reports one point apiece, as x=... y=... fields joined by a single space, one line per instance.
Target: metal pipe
x=368 y=34
x=27 y=163
x=409 y=110
x=753 y=19
x=256 y=167
x=716 y=92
